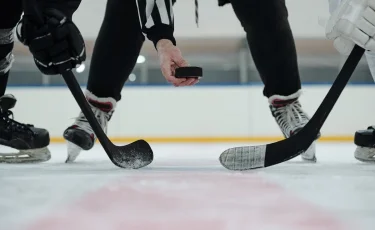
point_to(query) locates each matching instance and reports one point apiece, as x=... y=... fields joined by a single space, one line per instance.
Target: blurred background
x=227 y=105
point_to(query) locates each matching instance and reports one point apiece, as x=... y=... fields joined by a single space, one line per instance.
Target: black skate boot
x=290 y=117
x=80 y=135
x=365 y=141
x=30 y=141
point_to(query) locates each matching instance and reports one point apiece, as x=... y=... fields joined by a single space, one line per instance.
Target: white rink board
x=204 y=111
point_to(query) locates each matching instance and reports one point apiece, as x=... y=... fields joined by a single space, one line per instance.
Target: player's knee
x=6 y=47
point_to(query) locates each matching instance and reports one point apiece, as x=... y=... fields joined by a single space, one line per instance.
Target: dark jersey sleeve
x=157 y=19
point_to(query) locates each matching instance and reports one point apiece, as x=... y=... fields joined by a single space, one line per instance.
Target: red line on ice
x=190 y=201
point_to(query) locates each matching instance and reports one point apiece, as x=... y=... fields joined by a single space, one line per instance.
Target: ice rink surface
x=185 y=188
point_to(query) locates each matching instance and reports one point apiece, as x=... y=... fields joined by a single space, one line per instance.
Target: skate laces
x=10 y=124
x=290 y=117
x=102 y=117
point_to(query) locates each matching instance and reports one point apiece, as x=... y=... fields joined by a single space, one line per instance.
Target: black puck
x=189 y=71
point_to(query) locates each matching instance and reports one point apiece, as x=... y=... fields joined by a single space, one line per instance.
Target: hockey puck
x=189 y=71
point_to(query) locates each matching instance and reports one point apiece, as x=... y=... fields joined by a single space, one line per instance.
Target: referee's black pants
x=271 y=43
x=116 y=49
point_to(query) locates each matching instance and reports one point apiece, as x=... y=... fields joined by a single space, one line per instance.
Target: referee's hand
x=170 y=59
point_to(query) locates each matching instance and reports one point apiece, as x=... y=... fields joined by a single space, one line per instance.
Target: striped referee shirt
x=155 y=16
x=156 y=19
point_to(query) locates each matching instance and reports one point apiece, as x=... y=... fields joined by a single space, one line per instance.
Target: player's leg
x=365 y=139
x=274 y=53
x=115 y=55
x=30 y=141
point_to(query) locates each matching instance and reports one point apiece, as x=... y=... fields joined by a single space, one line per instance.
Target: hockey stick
x=252 y=157
x=132 y=156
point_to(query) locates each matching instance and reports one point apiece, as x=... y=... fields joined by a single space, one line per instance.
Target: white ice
x=186 y=188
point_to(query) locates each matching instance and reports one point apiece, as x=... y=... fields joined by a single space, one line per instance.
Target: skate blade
x=26 y=156
x=309 y=154
x=73 y=152
x=365 y=154
x=310 y=160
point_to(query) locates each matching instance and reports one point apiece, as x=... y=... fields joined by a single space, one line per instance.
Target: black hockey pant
x=10 y=14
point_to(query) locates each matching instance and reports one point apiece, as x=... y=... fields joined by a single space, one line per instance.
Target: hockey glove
x=56 y=43
x=353 y=22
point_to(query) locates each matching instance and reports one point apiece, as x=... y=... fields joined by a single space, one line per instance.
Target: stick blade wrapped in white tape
x=243 y=158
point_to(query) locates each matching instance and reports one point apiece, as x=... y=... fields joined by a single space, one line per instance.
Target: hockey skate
x=290 y=117
x=30 y=142
x=365 y=141
x=80 y=135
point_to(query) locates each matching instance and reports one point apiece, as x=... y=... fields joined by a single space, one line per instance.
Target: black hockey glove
x=56 y=43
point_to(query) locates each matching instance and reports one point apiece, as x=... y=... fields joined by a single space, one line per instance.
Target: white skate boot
x=365 y=141
x=80 y=135
x=291 y=118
